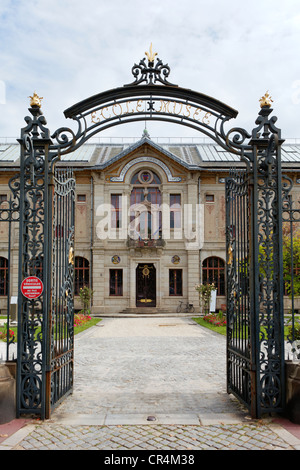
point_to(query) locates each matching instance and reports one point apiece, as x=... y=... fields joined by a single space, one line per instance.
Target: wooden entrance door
x=146 y=285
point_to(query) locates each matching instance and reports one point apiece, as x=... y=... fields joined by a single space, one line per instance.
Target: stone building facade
x=150 y=222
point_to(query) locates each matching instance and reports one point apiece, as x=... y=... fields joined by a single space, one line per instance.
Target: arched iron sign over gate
x=255 y=362
x=150 y=97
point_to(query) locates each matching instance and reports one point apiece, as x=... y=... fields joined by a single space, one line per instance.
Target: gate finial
x=150 y=73
x=151 y=55
x=35 y=100
x=266 y=100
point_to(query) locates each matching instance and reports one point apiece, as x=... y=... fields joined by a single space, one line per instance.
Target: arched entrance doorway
x=146 y=285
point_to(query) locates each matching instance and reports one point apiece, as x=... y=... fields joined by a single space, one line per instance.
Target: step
x=146 y=310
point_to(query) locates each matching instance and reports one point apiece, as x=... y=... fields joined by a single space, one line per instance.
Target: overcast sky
x=68 y=50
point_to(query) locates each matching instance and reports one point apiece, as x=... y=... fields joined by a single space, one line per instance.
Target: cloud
x=69 y=50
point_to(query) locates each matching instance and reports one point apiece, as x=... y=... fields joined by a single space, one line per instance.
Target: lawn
x=221 y=329
x=81 y=323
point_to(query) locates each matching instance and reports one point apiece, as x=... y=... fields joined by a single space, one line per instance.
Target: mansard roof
x=193 y=156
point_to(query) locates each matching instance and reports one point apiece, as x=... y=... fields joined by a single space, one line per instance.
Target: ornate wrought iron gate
x=62 y=311
x=10 y=214
x=255 y=339
x=254 y=237
x=45 y=297
x=240 y=375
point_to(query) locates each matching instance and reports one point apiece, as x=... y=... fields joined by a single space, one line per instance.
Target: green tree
x=86 y=295
x=291 y=263
x=205 y=291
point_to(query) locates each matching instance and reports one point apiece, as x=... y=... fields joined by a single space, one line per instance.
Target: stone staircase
x=146 y=310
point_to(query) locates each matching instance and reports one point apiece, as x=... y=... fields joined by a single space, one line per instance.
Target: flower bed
x=215 y=319
x=80 y=319
x=3 y=334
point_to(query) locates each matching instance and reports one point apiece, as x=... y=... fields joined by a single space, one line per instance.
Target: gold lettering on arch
x=175 y=108
x=94 y=118
x=196 y=113
x=104 y=117
x=127 y=108
x=138 y=105
x=205 y=118
x=164 y=107
x=120 y=108
x=187 y=108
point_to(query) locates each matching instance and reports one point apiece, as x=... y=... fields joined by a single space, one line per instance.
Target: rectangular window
x=81 y=198
x=3 y=276
x=175 y=282
x=116 y=210
x=175 y=211
x=115 y=282
x=3 y=198
x=81 y=274
x=210 y=198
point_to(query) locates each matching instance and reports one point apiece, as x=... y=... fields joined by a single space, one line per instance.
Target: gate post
x=266 y=278
x=34 y=260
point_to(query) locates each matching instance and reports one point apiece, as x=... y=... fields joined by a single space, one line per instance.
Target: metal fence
x=291 y=268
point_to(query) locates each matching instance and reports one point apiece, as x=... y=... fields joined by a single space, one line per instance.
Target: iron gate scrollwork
x=9 y=213
x=34 y=241
x=255 y=278
x=239 y=360
x=62 y=312
x=46 y=240
x=255 y=346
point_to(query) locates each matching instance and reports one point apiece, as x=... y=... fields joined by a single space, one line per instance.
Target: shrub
x=3 y=334
x=86 y=295
x=80 y=319
x=215 y=319
x=205 y=291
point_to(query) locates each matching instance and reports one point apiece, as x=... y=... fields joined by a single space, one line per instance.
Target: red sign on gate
x=32 y=287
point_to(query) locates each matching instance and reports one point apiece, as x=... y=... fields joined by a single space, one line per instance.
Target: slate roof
x=192 y=156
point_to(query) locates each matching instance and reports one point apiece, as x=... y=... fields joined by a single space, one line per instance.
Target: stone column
x=99 y=281
x=132 y=283
x=193 y=277
x=192 y=228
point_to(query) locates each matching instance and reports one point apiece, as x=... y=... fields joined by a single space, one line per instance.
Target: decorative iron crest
x=150 y=74
x=266 y=100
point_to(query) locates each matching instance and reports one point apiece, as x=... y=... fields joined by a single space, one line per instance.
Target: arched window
x=213 y=271
x=3 y=276
x=145 y=177
x=145 y=202
x=82 y=273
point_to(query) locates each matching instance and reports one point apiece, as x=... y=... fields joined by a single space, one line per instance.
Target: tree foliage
x=291 y=263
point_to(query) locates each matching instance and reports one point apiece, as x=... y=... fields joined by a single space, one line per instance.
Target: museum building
x=149 y=221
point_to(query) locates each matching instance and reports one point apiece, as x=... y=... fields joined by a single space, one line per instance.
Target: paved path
x=151 y=383
x=130 y=368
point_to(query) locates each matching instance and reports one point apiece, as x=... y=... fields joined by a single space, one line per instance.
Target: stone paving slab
x=149 y=366
x=54 y=436
x=170 y=369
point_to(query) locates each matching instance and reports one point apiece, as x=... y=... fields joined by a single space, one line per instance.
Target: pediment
x=146 y=151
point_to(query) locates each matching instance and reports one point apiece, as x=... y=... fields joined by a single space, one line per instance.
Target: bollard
x=293 y=391
x=7 y=395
